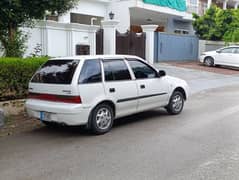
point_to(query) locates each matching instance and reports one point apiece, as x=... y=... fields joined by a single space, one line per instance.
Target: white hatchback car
x=227 y=56
x=95 y=90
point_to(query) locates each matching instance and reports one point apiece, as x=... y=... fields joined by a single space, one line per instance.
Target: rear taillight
x=56 y=98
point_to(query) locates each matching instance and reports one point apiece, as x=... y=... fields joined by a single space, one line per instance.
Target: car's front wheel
x=176 y=103
x=209 y=61
x=102 y=118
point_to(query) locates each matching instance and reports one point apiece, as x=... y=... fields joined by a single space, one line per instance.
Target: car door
x=120 y=86
x=153 y=91
x=225 y=56
x=234 y=59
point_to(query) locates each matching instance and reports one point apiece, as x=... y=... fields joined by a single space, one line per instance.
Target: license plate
x=45 y=116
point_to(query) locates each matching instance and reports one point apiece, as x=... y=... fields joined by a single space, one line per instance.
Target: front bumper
x=201 y=59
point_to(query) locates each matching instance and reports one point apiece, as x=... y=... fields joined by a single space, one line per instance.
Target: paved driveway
x=201 y=143
x=201 y=79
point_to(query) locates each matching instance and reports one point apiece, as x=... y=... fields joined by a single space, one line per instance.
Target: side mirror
x=161 y=73
x=218 y=51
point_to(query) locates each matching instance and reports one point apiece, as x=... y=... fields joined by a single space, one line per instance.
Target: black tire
x=174 y=107
x=209 y=61
x=101 y=124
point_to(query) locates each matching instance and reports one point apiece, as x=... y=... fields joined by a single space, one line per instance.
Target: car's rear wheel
x=102 y=118
x=209 y=61
x=176 y=103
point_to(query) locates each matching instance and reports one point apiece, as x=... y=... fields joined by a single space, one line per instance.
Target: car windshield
x=56 y=72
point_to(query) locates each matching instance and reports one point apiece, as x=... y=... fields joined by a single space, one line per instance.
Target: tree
x=206 y=25
x=218 y=24
x=17 y=13
x=232 y=33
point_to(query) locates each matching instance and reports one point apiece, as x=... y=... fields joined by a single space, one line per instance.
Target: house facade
x=200 y=6
x=133 y=13
x=59 y=35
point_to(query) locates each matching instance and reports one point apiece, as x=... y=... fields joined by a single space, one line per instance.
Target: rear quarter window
x=91 y=72
x=56 y=72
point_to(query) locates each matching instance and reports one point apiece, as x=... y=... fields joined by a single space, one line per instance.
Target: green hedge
x=15 y=74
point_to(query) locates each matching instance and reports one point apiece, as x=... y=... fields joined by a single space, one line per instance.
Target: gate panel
x=100 y=42
x=170 y=47
x=130 y=43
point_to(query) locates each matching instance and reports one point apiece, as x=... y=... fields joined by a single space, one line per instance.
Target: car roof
x=89 y=57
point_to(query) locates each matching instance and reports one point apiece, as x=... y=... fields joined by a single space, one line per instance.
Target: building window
x=85 y=19
x=181 y=31
x=52 y=18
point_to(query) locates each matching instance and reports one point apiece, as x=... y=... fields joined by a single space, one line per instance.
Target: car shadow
x=76 y=131
x=140 y=117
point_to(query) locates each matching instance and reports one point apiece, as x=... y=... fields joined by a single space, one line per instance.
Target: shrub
x=15 y=74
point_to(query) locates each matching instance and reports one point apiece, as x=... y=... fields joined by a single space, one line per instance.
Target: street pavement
x=200 y=143
x=199 y=80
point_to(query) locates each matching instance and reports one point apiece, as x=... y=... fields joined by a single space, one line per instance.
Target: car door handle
x=142 y=86
x=112 y=90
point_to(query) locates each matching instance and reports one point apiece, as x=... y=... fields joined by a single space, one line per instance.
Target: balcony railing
x=198 y=9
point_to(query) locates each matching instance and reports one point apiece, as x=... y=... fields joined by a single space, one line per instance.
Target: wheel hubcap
x=208 y=62
x=177 y=103
x=103 y=118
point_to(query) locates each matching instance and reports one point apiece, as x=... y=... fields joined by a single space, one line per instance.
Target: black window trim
x=113 y=59
x=78 y=81
x=136 y=59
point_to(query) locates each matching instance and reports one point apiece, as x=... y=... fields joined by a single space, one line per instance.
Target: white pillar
x=149 y=47
x=225 y=4
x=236 y=5
x=44 y=37
x=209 y=3
x=92 y=39
x=109 y=28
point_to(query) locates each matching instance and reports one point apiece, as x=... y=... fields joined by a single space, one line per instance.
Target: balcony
x=179 y=5
x=199 y=8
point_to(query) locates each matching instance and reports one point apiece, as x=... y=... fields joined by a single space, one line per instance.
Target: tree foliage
x=18 y=13
x=218 y=24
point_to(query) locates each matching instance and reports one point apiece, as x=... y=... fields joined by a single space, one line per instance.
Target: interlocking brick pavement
x=198 y=66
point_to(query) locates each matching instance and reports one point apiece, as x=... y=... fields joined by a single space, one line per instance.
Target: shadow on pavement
x=75 y=131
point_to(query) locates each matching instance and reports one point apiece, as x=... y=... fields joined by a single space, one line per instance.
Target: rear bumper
x=65 y=113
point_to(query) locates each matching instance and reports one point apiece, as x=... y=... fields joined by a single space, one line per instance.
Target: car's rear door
x=120 y=86
x=234 y=59
x=153 y=91
x=225 y=56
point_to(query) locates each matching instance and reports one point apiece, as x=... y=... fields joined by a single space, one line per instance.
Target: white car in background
x=96 y=90
x=227 y=56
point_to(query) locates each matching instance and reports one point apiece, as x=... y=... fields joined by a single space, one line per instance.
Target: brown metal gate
x=130 y=43
x=100 y=41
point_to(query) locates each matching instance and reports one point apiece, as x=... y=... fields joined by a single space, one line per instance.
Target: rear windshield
x=56 y=72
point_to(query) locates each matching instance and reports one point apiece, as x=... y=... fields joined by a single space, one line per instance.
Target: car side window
x=142 y=70
x=227 y=50
x=236 y=50
x=116 y=70
x=90 y=72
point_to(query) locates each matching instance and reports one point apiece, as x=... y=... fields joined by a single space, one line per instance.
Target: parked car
x=227 y=56
x=96 y=90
